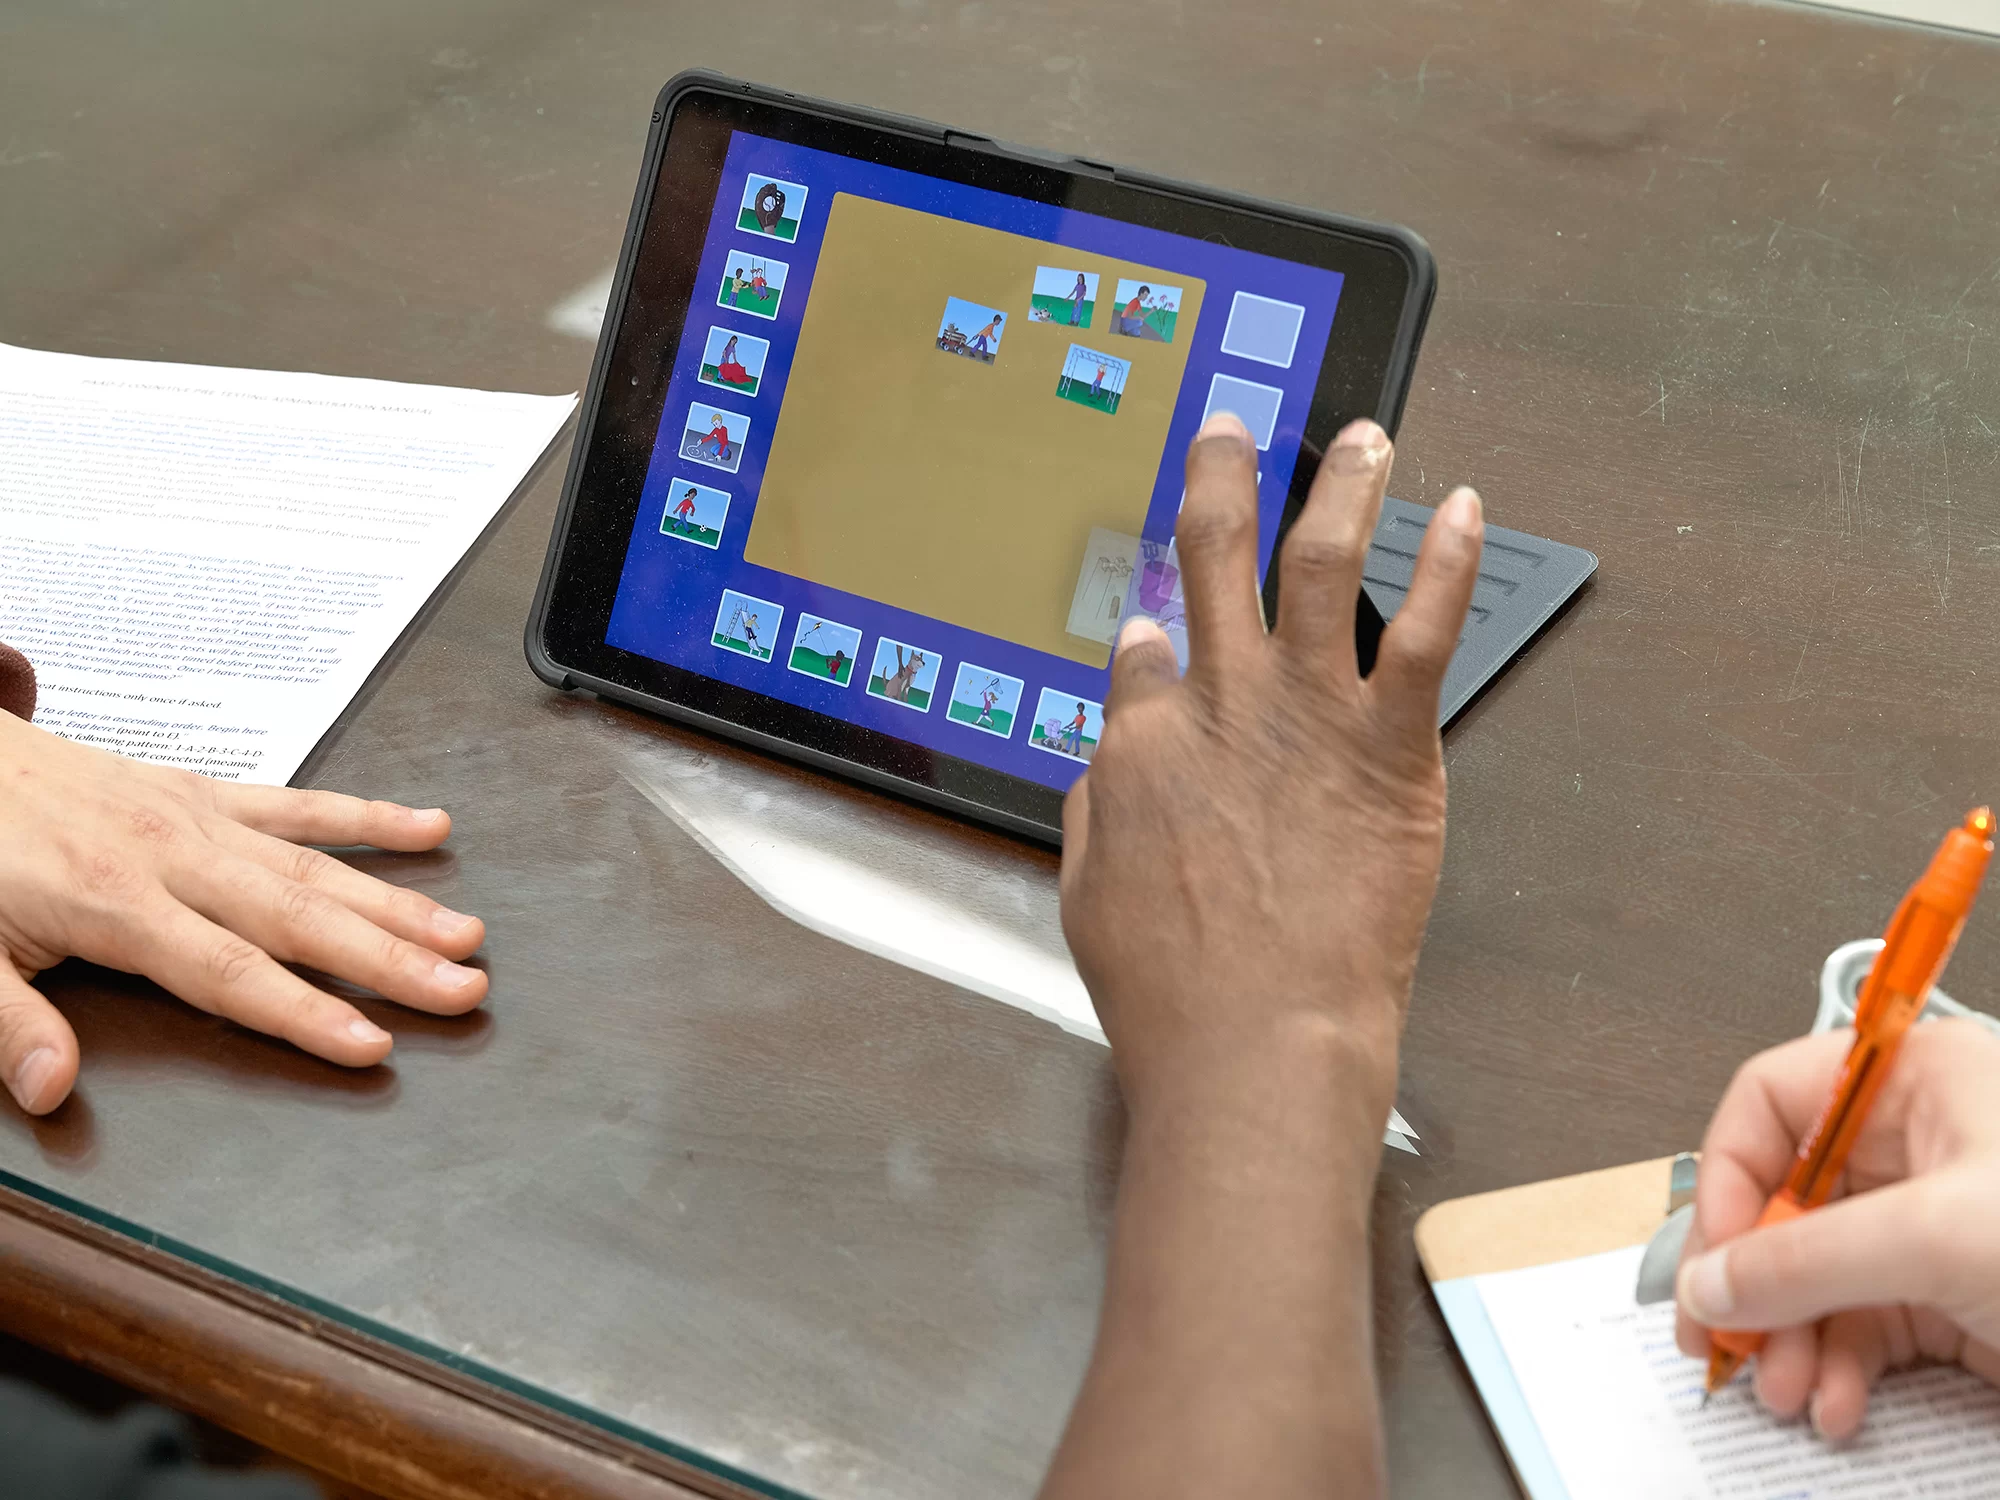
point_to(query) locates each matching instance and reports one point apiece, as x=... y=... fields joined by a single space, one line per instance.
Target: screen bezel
x=1377 y=324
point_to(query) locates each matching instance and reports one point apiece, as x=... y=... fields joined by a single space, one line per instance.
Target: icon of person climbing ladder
x=746 y=626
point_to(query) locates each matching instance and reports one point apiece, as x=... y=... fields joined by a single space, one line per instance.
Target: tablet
x=886 y=431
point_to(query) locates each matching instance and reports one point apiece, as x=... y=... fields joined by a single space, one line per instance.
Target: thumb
x=1866 y=1251
x=37 y=1048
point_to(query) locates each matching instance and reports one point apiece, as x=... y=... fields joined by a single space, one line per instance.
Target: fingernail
x=1812 y=1414
x=1361 y=433
x=1705 y=1290
x=457 y=976
x=1138 y=628
x=1463 y=512
x=364 y=1030
x=1223 y=422
x=33 y=1076
x=448 y=922
x=427 y=814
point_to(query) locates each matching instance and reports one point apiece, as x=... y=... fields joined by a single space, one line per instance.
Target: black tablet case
x=1524 y=581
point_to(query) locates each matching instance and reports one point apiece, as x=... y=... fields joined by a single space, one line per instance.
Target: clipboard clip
x=1663 y=1252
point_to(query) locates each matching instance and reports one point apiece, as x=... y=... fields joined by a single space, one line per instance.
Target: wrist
x=1302 y=1083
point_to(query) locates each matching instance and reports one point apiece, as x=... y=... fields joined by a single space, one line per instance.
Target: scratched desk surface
x=1719 y=301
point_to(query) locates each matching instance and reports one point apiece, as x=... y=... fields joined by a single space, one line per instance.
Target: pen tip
x=1706 y=1397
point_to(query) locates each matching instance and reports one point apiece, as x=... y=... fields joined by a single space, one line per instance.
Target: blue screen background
x=669 y=590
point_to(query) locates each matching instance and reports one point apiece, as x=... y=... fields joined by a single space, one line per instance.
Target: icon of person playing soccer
x=1072 y=740
x=683 y=514
x=1076 y=296
x=982 y=341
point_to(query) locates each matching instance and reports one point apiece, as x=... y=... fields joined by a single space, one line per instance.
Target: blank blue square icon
x=1263 y=329
x=1256 y=404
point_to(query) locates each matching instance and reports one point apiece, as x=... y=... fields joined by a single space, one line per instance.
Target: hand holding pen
x=1906 y=1267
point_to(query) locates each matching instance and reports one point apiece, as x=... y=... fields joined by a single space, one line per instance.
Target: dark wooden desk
x=1719 y=302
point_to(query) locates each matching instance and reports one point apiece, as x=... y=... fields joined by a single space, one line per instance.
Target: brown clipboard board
x=1540 y=1222
x=1534 y=1225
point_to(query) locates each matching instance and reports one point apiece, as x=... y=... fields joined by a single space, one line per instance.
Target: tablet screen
x=923 y=443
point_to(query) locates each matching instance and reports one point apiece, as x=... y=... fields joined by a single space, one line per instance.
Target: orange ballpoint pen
x=1914 y=952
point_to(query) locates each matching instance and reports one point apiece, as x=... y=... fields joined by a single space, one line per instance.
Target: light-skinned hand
x=198 y=885
x=1904 y=1267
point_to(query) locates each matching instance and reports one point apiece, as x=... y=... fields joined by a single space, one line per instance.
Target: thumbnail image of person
x=1066 y=725
x=694 y=513
x=752 y=284
x=714 y=437
x=1143 y=311
x=747 y=626
x=1072 y=739
x=718 y=436
x=1063 y=296
x=684 y=512
x=988 y=325
x=1092 y=378
x=985 y=700
x=824 y=649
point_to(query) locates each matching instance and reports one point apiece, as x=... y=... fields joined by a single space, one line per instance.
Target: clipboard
x=1510 y=1230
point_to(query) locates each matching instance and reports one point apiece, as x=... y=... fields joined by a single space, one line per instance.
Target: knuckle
x=19 y=1027
x=1214 y=524
x=300 y=908
x=107 y=878
x=232 y=961
x=150 y=827
x=1320 y=555
x=411 y=908
x=304 y=865
x=392 y=953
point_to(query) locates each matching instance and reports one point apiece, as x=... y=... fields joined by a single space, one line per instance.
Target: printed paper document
x=205 y=564
x=1619 y=1407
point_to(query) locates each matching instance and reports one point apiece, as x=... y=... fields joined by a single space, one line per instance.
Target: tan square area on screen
x=939 y=483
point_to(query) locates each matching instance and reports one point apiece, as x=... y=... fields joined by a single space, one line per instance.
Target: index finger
x=1216 y=540
x=1768 y=1107
x=312 y=817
